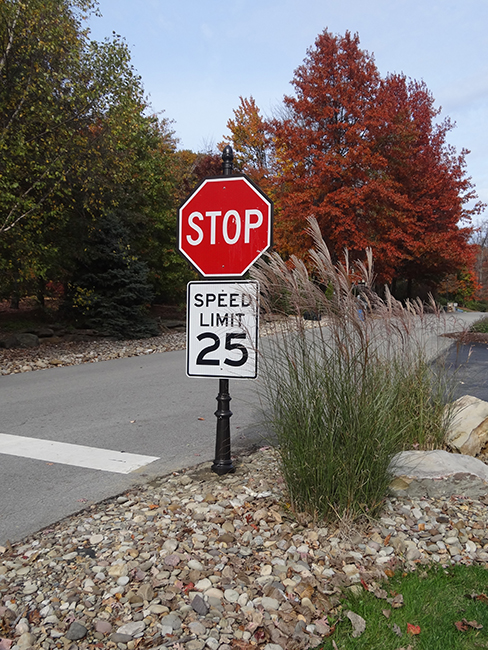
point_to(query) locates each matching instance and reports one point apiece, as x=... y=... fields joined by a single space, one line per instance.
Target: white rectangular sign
x=222 y=329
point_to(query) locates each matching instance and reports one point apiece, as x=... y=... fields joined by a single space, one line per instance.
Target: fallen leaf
x=380 y=593
x=475 y=625
x=386 y=613
x=482 y=597
x=396 y=602
x=201 y=419
x=389 y=573
x=364 y=585
x=462 y=626
x=397 y=630
x=413 y=629
x=358 y=624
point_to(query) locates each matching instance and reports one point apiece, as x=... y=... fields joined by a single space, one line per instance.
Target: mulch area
x=30 y=312
x=466 y=338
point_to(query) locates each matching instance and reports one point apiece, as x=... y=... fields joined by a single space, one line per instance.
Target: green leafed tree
x=76 y=144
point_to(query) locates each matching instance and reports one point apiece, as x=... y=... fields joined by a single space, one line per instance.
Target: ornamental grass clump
x=349 y=385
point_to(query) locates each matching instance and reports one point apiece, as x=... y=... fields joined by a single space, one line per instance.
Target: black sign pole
x=223 y=461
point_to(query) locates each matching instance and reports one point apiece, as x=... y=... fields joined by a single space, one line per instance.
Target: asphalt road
x=141 y=405
x=469 y=366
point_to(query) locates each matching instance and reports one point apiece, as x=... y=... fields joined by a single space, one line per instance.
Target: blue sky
x=196 y=57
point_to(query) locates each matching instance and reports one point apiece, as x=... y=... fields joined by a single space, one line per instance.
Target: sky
x=197 y=57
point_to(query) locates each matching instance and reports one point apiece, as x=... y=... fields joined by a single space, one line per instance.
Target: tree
x=364 y=156
x=47 y=95
x=76 y=145
x=324 y=158
x=250 y=141
x=480 y=242
x=430 y=233
x=111 y=291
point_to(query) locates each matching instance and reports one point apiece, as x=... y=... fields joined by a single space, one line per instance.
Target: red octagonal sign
x=225 y=226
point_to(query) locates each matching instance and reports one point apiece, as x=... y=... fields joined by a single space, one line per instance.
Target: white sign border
x=189 y=333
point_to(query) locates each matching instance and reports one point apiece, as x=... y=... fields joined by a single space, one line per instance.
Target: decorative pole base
x=223 y=462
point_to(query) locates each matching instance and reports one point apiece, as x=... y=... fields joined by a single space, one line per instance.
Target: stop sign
x=225 y=226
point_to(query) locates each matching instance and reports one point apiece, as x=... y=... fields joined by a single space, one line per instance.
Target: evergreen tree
x=110 y=290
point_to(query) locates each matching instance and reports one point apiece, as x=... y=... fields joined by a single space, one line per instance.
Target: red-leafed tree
x=365 y=157
x=427 y=223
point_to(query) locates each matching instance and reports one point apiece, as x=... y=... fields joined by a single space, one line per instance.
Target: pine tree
x=110 y=291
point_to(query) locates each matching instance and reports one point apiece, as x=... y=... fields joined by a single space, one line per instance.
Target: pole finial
x=227 y=160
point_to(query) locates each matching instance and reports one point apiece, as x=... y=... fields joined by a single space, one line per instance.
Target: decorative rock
x=269 y=603
x=199 y=605
x=146 y=592
x=438 y=474
x=195 y=644
x=468 y=431
x=117 y=637
x=197 y=628
x=117 y=570
x=172 y=621
x=76 y=631
x=214 y=593
x=103 y=627
x=203 y=585
x=25 y=340
x=26 y=641
x=231 y=595
x=132 y=629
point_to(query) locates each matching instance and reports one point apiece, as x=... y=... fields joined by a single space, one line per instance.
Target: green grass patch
x=443 y=609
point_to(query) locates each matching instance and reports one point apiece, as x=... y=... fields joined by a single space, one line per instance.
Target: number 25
x=203 y=360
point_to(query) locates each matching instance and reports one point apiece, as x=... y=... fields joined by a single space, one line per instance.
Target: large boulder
x=438 y=474
x=468 y=431
x=20 y=340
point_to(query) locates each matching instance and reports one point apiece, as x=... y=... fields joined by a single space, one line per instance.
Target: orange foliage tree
x=365 y=156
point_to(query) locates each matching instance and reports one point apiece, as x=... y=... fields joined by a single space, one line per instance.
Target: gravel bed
x=73 y=353
x=197 y=561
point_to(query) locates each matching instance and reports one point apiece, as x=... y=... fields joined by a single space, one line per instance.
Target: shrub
x=480 y=325
x=477 y=305
x=345 y=393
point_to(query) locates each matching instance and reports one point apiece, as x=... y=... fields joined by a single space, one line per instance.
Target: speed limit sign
x=222 y=329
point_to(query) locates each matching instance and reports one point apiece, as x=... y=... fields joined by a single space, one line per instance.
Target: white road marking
x=68 y=454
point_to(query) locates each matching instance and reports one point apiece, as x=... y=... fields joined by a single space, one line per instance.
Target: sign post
x=223 y=228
